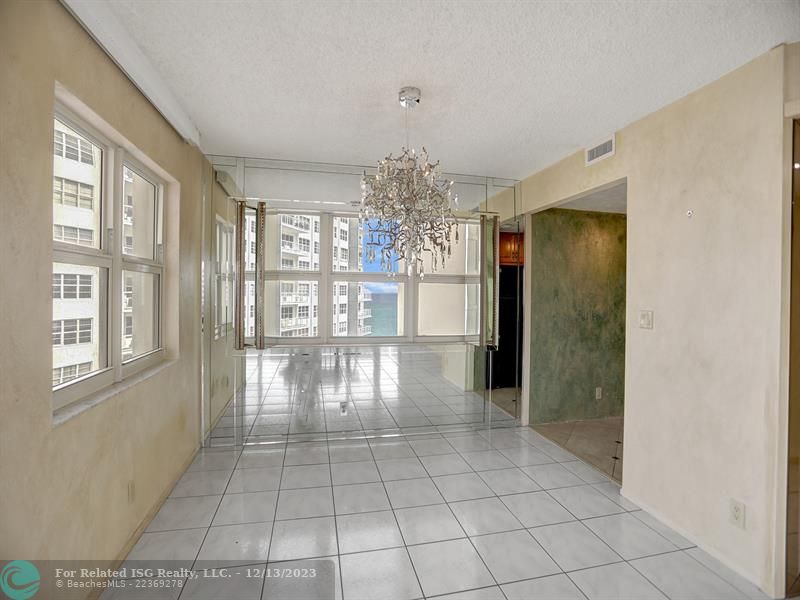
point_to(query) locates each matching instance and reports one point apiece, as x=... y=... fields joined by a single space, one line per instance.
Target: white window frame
x=109 y=258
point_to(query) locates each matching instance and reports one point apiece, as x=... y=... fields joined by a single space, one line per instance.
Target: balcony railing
x=303 y=223
x=295 y=247
x=366 y=313
x=294 y=322
x=294 y=298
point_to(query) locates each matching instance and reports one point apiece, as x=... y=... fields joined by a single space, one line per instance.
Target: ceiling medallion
x=406 y=207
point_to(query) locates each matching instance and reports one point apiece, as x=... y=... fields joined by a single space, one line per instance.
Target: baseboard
x=710 y=551
x=148 y=518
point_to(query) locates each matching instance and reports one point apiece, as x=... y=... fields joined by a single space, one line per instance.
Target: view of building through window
x=369 y=306
x=77 y=287
x=82 y=265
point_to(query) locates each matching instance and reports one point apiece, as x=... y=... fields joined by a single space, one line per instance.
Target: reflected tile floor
x=444 y=515
x=322 y=391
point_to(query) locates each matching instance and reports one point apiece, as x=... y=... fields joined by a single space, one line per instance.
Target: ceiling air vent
x=601 y=150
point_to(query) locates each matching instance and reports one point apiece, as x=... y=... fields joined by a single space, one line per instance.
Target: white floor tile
x=514 y=555
x=467 y=486
x=552 y=476
x=534 y=509
x=303 y=538
x=257 y=479
x=401 y=468
x=305 y=476
x=447 y=567
x=509 y=481
x=364 y=497
x=321 y=583
x=240 y=584
x=368 y=531
x=381 y=574
x=354 y=472
x=428 y=524
x=486 y=515
x=585 y=502
x=185 y=513
x=201 y=483
x=235 y=545
x=179 y=546
x=573 y=546
x=649 y=520
x=680 y=576
x=615 y=582
x=251 y=507
x=554 y=587
x=304 y=503
x=628 y=536
x=413 y=492
x=445 y=464
x=486 y=460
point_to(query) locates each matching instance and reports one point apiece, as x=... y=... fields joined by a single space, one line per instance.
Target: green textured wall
x=578 y=315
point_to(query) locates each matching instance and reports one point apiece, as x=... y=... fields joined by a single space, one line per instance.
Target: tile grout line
x=397 y=523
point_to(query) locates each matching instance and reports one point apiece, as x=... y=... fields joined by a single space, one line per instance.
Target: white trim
x=99 y=20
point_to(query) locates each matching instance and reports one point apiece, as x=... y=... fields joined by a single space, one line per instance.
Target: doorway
x=507 y=372
x=578 y=292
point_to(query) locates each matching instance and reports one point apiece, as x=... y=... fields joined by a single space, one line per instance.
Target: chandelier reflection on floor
x=406 y=208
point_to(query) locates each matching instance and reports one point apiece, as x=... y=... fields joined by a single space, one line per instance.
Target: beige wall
x=705 y=394
x=64 y=490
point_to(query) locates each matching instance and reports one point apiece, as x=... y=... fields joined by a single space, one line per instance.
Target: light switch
x=645 y=319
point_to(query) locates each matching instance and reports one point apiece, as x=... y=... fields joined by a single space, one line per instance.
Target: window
x=316 y=226
x=72 y=147
x=73 y=235
x=343 y=309
x=302 y=311
x=70 y=286
x=253 y=247
x=316 y=247
x=73 y=193
x=343 y=289
x=87 y=262
x=342 y=328
x=335 y=253
x=344 y=254
x=303 y=265
x=287 y=263
x=343 y=234
x=68 y=332
x=315 y=311
x=287 y=312
x=65 y=373
x=287 y=241
x=305 y=244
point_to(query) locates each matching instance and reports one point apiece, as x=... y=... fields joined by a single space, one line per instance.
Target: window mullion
x=324 y=299
x=113 y=203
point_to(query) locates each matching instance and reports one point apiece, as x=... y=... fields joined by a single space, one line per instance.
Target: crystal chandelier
x=406 y=207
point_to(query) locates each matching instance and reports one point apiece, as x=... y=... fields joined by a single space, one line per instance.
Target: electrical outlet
x=598 y=393
x=737 y=513
x=131 y=491
x=645 y=319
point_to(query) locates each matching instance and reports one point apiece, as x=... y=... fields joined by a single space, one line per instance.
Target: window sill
x=66 y=413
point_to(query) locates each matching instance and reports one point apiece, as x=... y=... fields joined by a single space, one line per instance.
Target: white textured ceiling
x=508 y=87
